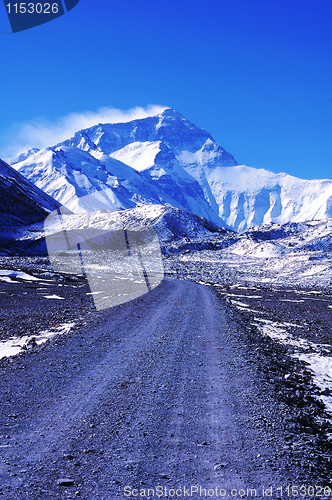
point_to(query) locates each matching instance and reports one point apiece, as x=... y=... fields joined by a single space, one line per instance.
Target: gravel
x=176 y=389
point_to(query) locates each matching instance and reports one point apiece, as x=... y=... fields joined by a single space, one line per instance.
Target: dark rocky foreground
x=308 y=425
x=25 y=308
x=176 y=389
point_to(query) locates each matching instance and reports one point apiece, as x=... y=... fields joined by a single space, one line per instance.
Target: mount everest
x=165 y=159
x=168 y=174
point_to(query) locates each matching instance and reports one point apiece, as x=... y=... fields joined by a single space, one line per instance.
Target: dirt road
x=162 y=392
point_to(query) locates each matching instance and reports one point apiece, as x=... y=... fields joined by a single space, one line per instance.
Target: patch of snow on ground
x=15 y=345
x=320 y=364
x=315 y=270
x=53 y=297
x=291 y=300
x=238 y=295
x=7 y=279
x=17 y=274
x=203 y=283
x=238 y=303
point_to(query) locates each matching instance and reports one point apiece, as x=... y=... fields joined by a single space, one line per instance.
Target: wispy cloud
x=41 y=132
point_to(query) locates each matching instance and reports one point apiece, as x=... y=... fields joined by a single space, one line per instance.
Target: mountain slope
x=167 y=159
x=173 y=225
x=21 y=203
x=301 y=237
x=69 y=174
x=177 y=230
x=247 y=197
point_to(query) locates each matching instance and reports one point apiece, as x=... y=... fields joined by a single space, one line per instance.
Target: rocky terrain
x=181 y=388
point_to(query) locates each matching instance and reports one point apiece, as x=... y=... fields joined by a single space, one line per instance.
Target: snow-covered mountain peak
x=170 y=127
x=170 y=114
x=178 y=133
x=167 y=159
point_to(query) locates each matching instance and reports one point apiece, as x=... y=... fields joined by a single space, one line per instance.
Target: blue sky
x=257 y=75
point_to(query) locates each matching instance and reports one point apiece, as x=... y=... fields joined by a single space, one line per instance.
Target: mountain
x=178 y=231
x=176 y=228
x=123 y=165
x=295 y=237
x=166 y=159
x=293 y=254
x=249 y=197
x=21 y=202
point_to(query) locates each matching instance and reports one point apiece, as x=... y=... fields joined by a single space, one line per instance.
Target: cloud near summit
x=41 y=132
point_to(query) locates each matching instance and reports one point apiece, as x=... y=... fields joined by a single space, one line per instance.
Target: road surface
x=162 y=392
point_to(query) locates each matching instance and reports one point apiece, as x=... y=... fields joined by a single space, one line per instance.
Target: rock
x=30 y=343
x=65 y=482
x=218 y=466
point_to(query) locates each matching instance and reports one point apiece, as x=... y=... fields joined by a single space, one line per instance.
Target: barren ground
x=175 y=389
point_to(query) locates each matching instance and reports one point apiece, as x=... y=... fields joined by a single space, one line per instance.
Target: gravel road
x=164 y=391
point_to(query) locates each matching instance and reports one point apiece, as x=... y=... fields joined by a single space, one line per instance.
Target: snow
x=70 y=175
x=321 y=366
x=238 y=303
x=315 y=354
x=261 y=250
x=53 y=297
x=316 y=270
x=247 y=196
x=15 y=345
x=291 y=300
x=167 y=159
x=138 y=155
x=239 y=295
x=17 y=274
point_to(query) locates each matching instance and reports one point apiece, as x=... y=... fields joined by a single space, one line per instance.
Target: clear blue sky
x=256 y=74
